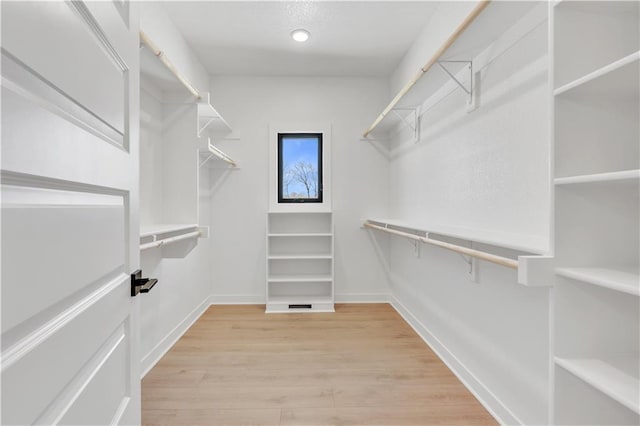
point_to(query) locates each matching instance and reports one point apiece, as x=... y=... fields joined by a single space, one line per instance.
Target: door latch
x=141 y=285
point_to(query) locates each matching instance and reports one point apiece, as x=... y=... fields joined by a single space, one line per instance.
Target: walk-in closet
x=320 y=212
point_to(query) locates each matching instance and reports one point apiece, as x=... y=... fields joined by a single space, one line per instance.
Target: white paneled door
x=69 y=212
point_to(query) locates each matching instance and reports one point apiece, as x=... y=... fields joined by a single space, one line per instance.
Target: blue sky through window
x=300 y=166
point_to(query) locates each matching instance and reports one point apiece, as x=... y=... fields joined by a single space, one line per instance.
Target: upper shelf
x=483 y=25
x=209 y=119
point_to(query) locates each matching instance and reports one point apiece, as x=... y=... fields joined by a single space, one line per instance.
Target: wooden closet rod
x=163 y=58
x=434 y=60
x=504 y=261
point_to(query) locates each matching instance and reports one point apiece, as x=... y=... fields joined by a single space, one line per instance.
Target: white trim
x=483 y=394
x=299 y=127
x=237 y=299
x=151 y=359
x=363 y=298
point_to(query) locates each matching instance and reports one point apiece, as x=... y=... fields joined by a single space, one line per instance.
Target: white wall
x=240 y=197
x=487 y=170
x=168 y=157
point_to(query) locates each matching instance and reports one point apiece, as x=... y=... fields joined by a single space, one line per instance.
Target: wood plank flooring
x=362 y=365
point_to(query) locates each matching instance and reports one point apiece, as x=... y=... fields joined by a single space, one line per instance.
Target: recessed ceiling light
x=300 y=35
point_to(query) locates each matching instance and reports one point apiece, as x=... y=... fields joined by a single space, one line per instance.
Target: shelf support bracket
x=413 y=124
x=469 y=88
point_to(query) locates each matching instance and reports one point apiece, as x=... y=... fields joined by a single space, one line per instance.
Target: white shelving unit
x=595 y=105
x=299 y=262
x=174 y=149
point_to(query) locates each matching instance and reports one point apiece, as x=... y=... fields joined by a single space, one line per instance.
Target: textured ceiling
x=364 y=38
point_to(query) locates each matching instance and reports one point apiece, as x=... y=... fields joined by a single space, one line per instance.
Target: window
x=299 y=167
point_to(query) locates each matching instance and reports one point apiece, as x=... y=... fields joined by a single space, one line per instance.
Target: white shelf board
x=491 y=23
x=151 y=230
x=299 y=278
x=616 y=377
x=525 y=243
x=625 y=176
x=301 y=234
x=618 y=79
x=293 y=299
x=626 y=280
x=209 y=120
x=299 y=256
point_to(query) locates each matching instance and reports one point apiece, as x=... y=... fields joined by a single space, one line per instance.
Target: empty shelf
x=616 y=377
x=302 y=234
x=626 y=176
x=618 y=79
x=299 y=256
x=626 y=280
x=299 y=278
x=300 y=299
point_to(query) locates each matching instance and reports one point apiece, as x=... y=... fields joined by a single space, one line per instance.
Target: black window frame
x=280 y=188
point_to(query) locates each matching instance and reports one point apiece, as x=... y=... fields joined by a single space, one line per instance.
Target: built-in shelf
x=626 y=280
x=301 y=299
x=524 y=243
x=290 y=278
x=299 y=256
x=616 y=377
x=301 y=234
x=626 y=176
x=619 y=79
x=475 y=33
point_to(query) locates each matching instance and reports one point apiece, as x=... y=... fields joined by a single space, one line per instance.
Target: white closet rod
x=166 y=241
x=504 y=261
x=434 y=60
x=163 y=58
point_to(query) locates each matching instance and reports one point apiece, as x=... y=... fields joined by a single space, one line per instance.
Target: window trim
x=319 y=137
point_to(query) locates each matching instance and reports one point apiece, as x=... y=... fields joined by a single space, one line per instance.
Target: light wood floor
x=362 y=365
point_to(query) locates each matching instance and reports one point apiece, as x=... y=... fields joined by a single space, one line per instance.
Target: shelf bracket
x=468 y=88
x=413 y=123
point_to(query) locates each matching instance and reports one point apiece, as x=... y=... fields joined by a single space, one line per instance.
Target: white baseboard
x=363 y=298
x=237 y=299
x=490 y=401
x=248 y=299
x=158 y=351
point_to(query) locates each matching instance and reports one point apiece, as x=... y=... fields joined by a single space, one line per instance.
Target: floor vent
x=300 y=306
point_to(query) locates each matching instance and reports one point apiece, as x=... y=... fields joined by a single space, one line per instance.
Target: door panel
x=58 y=229
x=40 y=369
x=69 y=48
x=69 y=213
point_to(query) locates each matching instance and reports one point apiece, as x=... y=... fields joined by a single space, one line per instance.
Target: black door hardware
x=141 y=285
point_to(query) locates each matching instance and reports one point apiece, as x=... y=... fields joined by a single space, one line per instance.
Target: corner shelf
x=616 y=377
x=626 y=280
